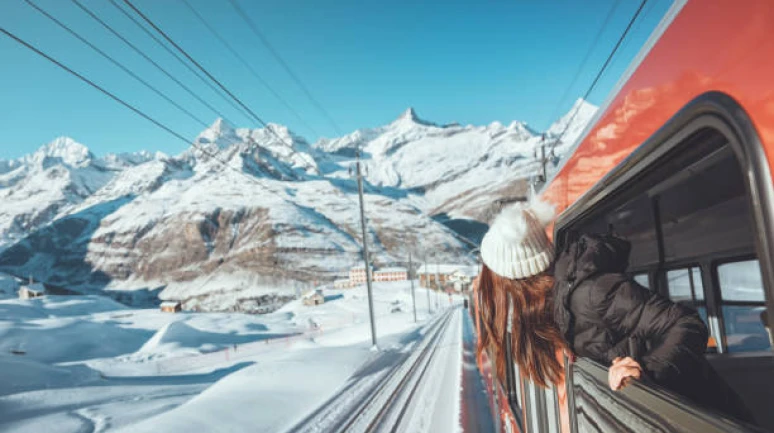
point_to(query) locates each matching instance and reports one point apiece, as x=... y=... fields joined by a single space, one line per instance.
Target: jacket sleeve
x=675 y=335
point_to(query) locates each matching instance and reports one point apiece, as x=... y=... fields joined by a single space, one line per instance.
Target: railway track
x=379 y=404
x=395 y=398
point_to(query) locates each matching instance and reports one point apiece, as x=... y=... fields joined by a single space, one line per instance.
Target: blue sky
x=365 y=61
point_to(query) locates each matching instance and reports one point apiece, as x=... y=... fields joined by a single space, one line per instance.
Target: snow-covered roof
x=170 y=304
x=313 y=293
x=36 y=288
x=393 y=269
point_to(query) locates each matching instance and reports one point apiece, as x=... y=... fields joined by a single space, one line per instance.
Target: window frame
x=690 y=265
x=720 y=302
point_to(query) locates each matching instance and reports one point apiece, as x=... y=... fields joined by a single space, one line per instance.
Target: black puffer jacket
x=603 y=314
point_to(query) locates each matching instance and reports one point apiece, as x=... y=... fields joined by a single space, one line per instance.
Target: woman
x=589 y=308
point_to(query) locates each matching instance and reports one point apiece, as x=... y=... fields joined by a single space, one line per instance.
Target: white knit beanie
x=516 y=245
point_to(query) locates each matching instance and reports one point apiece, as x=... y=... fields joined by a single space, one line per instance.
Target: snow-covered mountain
x=37 y=188
x=244 y=211
x=573 y=123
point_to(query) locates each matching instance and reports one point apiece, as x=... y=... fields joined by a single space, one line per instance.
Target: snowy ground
x=75 y=364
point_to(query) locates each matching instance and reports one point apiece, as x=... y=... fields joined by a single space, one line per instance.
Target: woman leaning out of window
x=584 y=305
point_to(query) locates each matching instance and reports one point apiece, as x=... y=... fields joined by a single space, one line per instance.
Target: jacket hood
x=591 y=255
x=582 y=258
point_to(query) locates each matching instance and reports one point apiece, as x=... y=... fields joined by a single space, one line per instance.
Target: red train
x=679 y=162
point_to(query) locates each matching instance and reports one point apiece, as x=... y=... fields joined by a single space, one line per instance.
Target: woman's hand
x=622 y=371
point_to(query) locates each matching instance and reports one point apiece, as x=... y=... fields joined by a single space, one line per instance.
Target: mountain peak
x=67 y=150
x=220 y=133
x=410 y=115
x=221 y=126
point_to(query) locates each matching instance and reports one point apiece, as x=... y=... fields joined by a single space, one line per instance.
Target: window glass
x=745 y=325
x=642 y=280
x=685 y=285
x=745 y=330
x=707 y=211
x=741 y=281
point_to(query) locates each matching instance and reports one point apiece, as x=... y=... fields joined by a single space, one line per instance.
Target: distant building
x=34 y=290
x=314 y=298
x=458 y=277
x=391 y=274
x=357 y=275
x=343 y=283
x=171 y=306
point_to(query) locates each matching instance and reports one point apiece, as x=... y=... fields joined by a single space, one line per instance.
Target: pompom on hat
x=516 y=245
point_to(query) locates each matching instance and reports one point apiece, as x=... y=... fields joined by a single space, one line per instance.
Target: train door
x=695 y=203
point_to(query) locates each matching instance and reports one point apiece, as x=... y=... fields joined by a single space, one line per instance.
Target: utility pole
x=413 y=295
x=427 y=286
x=366 y=256
x=438 y=282
x=543 y=160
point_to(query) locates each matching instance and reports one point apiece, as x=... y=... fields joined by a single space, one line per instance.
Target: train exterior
x=678 y=161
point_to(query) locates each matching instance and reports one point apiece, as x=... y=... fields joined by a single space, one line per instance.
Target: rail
x=360 y=414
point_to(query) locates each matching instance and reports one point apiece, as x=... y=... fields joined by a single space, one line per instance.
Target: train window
x=707 y=212
x=685 y=287
x=741 y=281
x=634 y=222
x=743 y=306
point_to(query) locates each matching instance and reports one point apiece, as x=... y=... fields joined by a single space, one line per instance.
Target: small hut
x=30 y=291
x=171 y=307
x=314 y=298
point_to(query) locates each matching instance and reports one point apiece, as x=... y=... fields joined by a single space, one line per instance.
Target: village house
x=314 y=298
x=457 y=277
x=34 y=290
x=171 y=307
x=357 y=275
x=391 y=274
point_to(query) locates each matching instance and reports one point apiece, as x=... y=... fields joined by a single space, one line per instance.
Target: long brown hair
x=535 y=338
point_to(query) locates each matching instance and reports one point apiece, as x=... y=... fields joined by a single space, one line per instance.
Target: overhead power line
x=92 y=84
x=586 y=58
x=138 y=111
x=151 y=61
x=207 y=73
x=247 y=65
x=180 y=60
x=116 y=63
x=251 y=24
x=231 y=140
x=601 y=71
